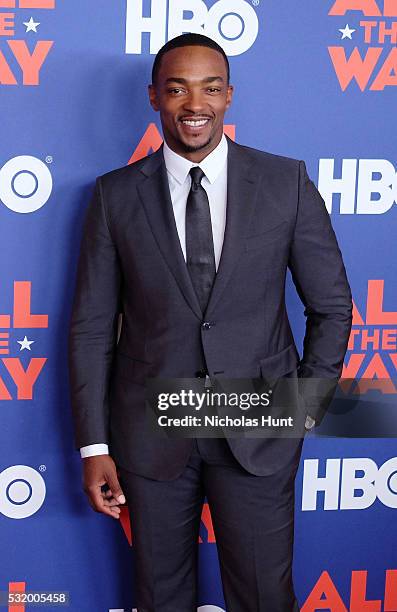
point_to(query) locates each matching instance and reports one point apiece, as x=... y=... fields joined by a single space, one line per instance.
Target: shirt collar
x=211 y=165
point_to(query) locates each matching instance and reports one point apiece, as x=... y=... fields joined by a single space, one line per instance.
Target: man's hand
x=309 y=423
x=100 y=470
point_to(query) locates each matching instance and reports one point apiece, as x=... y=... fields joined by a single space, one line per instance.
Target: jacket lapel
x=155 y=195
x=242 y=186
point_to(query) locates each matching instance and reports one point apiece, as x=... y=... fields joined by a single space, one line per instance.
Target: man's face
x=192 y=96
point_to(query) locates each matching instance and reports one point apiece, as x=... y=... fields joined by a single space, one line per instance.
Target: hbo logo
x=22 y=491
x=363 y=187
x=231 y=23
x=349 y=484
x=25 y=184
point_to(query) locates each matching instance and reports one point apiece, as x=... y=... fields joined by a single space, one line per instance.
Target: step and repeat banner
x=316 y=81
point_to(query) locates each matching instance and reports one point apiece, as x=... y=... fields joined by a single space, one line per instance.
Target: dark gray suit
x=131 y=262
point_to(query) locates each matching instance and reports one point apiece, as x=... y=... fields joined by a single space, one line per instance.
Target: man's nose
x=194 y=102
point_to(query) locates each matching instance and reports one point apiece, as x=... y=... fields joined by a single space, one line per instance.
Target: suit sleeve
x=320 y=278
x=93 y=326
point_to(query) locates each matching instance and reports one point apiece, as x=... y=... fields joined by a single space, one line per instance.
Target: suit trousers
x=253 y=521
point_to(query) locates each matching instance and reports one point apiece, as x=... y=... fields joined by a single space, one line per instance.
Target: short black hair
x=187 y=40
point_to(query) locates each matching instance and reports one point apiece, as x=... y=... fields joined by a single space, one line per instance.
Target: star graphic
x=31 y=26
x=25 y=344
x=347 y=32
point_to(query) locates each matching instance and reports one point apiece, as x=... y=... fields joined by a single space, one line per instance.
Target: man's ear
x=229 y=95
x=153 y=97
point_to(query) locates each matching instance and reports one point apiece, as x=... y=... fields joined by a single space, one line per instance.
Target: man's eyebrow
x=182 y=81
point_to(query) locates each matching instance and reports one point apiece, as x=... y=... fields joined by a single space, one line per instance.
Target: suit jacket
x=131 y=262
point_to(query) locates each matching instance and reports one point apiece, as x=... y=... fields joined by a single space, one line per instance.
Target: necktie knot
x=196 y=174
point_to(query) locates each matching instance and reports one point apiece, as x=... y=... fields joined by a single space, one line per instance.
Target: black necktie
x=200 y=256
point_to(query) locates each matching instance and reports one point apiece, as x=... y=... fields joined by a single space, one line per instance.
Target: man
x=192 y=244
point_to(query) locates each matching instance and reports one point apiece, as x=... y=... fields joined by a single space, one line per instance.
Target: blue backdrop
x=315 y=81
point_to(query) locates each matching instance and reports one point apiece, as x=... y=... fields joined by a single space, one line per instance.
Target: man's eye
x=175 y=90
x=213 y=89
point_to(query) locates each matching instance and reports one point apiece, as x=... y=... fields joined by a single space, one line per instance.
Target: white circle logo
x=22 y=491
x=25 y=184
x=233 y=24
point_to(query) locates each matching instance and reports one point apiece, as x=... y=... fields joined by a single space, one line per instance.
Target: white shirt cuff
x=94 y=449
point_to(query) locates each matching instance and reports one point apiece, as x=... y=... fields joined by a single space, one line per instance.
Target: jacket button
x=206 y=325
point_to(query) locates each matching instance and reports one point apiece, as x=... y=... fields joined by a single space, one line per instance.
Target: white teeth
x=194 y=123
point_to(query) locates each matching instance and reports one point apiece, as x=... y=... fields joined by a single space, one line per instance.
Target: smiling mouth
x=194 y=122
x=193 y=125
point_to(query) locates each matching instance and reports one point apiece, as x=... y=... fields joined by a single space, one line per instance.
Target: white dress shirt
x=214 y=166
